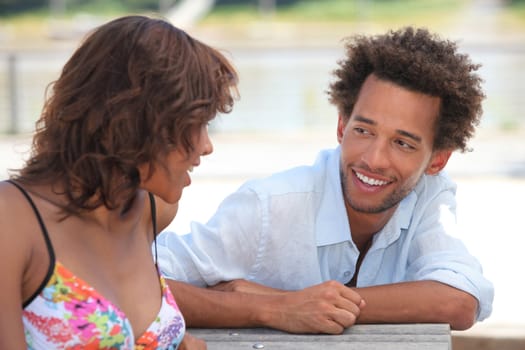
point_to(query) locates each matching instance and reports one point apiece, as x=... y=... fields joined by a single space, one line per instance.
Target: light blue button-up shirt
x=290 y=231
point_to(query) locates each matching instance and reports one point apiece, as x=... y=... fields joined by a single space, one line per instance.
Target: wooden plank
x=403 y=331
x=363 y=337
x=333 y=346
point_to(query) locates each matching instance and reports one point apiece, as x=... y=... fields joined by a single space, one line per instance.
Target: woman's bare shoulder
x=12 y=201
x=15 y=211
x=15 y=242
x=16 y=216
x=15 y=250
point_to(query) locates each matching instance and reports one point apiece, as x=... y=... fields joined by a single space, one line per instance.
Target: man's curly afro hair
x=419 y=61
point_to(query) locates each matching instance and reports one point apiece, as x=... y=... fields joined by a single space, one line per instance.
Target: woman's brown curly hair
x=131 y=92
x=421 y=62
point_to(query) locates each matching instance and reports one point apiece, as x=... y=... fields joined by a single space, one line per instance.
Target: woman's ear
x=438 y=161
x=145 y=171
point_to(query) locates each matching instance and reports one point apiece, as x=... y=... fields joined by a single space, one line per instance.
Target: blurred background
x=285 y=51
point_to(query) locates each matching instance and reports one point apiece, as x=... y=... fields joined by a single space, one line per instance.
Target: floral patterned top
x=67 y=313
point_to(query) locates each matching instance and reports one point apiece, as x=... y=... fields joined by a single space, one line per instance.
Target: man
x=366 y=234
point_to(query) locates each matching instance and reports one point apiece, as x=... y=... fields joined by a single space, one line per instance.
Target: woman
x=125 y=123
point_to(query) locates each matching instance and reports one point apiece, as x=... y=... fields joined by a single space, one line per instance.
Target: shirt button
x=347 y=273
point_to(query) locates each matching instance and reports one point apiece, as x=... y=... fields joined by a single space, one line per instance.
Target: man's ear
x=341 y=125
x=438 y=161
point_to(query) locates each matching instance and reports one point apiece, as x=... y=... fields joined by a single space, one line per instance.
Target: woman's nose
x=208 y=145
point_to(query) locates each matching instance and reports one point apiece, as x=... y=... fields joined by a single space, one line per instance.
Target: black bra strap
x=154 y=221
x=49 y=246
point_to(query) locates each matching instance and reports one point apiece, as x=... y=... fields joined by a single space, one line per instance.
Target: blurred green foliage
x=248 y=9
x=386 y=9
x=9 y=7
x=17 y=7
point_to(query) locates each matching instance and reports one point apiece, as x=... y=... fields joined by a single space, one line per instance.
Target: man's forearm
x=208 y=308
x=422 y=301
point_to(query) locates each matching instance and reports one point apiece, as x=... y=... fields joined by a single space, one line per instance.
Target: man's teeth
x=369 y=181
x=190 y=169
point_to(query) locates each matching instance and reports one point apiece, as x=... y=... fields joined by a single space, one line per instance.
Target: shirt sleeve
x=436 y=253
x=223 y=249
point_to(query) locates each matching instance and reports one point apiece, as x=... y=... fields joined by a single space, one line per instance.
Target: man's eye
x=360 y=130
x=404 y=144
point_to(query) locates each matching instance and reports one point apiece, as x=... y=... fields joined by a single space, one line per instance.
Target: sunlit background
x=285 y=51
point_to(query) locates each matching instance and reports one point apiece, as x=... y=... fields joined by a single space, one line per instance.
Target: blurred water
x=281 y=89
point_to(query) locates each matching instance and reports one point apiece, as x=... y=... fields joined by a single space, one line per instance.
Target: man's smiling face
x=386 y=145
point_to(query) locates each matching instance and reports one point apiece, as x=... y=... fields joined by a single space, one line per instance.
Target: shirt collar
x=399 y=221
x=331 y=225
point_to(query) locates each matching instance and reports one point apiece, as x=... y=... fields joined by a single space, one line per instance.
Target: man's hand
x=329 y=307
x=244 y=286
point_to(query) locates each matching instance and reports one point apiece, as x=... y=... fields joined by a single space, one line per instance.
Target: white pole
x=267 y=7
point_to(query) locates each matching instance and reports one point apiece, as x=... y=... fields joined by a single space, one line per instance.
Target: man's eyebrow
x=409 y=135
x=362 y=119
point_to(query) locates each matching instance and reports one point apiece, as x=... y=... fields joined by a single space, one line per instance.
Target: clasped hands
x=329 y=307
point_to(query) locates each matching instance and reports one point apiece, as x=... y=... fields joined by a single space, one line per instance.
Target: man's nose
x=377 y=154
